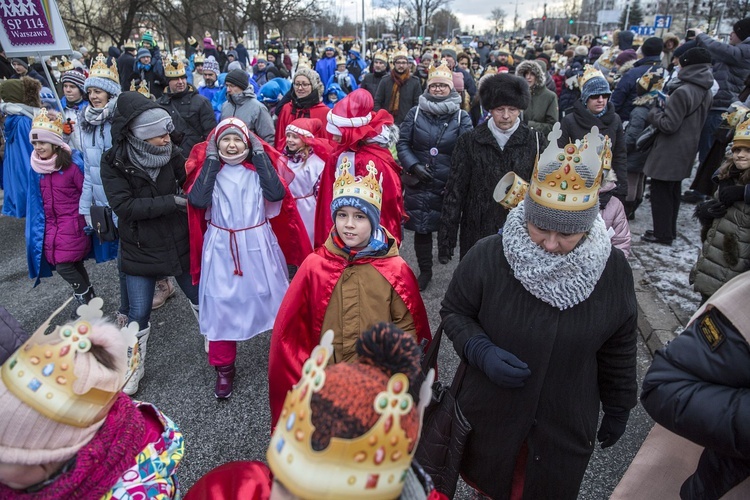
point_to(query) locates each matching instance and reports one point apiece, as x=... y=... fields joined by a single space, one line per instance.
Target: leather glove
x=731 y=194
x=88 y=220
x=256 y=145
x=68 y=127
x=422 y=173
x=444 y=255
x=709 y=210
x=500 y=366
x=613 y=426
x=212 y=150
x=181 y=202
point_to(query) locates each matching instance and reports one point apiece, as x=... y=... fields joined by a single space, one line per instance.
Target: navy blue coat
x=625 y=92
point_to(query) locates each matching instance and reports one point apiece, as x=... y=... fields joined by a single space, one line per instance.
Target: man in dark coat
x=6 y=68
x=378 y=69
x=625 y=91
x=398 y=92
x=480 y=159
x=191 y=113
x=125 y=65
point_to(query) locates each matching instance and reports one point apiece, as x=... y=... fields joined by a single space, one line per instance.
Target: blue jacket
x=349 y=78
x=16 y=165
x=625 y=92
x=326 y=67
x=333 y=89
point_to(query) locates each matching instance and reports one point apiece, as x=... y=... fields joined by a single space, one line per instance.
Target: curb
x=657 y=322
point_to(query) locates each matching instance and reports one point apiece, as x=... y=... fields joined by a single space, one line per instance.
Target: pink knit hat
x=47 y=127
x=27 y=437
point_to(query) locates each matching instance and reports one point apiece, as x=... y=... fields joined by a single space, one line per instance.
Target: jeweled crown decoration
x=565 y=187
x=173 y=68
x=606 y=156
x=645 y=80
x=441 y=71
x=510 y=191
x=742 y=132
x=380 y=56
x=199 y=58
x=41 y=372
x=261 y=55
x=100 y=69
x=368 y=188
x=304 y=62
x=370 y=466
x=142 y=88
x=736 y=114
x=340 y=60
x=401 y=52
x=43 y=121
x=64 y=65
x=589 y=72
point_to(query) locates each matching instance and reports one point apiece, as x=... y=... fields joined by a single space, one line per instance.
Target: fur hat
x=696 y=55
x=652 y=46
x=210 y=64
x=504 y=90
x=22 y=91
x=313 y=77
x=742 y=28
x=238 y=78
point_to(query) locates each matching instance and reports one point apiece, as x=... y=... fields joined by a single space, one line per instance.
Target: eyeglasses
x=439 y=86
x=301 y=85
x=401 y=61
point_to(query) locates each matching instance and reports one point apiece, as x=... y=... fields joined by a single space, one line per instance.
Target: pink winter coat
x=64 y=239
x=616 y=220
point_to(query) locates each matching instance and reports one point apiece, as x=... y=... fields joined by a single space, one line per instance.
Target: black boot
x=629 y=209
x=423 y=249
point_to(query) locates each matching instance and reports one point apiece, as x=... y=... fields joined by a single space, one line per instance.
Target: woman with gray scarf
x=428 y=135
x=142 y=175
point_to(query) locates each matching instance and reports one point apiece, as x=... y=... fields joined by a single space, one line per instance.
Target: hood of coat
x=129 y=105
x=625 y=68
x=533 y=68
x=246 y=94
x=586 y=119
x=698 y=74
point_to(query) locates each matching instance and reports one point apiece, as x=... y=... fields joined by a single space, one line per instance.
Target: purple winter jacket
x=64 y=239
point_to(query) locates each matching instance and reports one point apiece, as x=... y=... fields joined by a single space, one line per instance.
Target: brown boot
x=164 y=290
x=224 y=381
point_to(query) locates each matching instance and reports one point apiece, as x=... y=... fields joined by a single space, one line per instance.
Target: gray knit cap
x=153 y=122
x=562 y=221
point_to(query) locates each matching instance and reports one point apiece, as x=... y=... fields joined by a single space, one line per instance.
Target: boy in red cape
x=356 y=279
x=236 y=255
x=364 y=137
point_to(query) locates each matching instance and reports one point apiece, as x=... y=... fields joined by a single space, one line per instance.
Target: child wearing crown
x=236 y=256
x=55 y=236
x=342 y=77
x=66 y=430
x=352 y=282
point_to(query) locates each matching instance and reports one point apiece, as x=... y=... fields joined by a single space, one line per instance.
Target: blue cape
x=16 y=165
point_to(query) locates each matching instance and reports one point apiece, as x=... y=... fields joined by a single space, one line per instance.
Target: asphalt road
x=179 y=381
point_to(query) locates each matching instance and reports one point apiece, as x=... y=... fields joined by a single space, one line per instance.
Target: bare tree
x=497 y=16
x=97 y=21
x=443 y=22
x=398 y=14
x=422 y=10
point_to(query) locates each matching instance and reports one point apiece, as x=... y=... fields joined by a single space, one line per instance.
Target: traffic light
x=570 y=21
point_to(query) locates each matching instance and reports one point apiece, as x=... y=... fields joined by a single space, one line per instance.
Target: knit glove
x=709 y=210
x=613 y=426
x=444 y=255
x=500 y=366
x=68 y=127
x=256 y=145
x=731 y=194
x=422 y=173
x=212 y=150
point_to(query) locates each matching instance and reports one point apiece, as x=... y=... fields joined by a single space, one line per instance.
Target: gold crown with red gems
x=368 y=188
x=441 y=71
x=371 y=466
x=100 y=69
x=43 y=121
x=564 y=188
x=41 y=372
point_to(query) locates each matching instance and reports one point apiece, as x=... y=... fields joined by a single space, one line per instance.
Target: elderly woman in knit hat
x=66 y=430
x=143 y=175
x=304 y=101
x=502 y=144
x=426 y=141
x=544 y=316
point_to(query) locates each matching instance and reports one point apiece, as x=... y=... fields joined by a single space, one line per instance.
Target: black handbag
x=445 y=429
x=103 y=224
x=646 y=140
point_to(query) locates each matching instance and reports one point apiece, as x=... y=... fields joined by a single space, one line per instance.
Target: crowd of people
x=275 y=190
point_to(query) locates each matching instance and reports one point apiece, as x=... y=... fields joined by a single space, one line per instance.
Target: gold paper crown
x=736 y=114
x=142 y=88
x=41 y=373
x=274 y=34
x=511 y=190
x=645 y=80
x=261 y=55
x=199 y=58
x=401 y=52
x=371 y=466
x=589 y=72
x=304 y=62
x=173 y=69
x=207 y=34
x=100 y=69
x=380 y=56
x=742 y=132
x=64 y=65
x=573 y=40
x=42 y=121
x=340 y=60
x=191 y=40
x=367 y=188
x=491 y=70
x=129 y=44
x=564 y=188
x=441 y=71
x=355 y=48
x=606 y=156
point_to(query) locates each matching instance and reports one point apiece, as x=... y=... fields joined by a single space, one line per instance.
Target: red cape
x=299 y=321
x=392 y=210
x=287 y=226
x=246 y=480
x=286 y=116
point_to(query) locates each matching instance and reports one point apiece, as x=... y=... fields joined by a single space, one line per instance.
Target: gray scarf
x=147 y=156
x=439 y=106
x=561 y=281
x=97 y=116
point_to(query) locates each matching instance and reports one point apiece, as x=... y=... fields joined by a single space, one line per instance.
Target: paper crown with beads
x=142 y=88
x=510 y=191
x=100 y=69
x=304 y=62
x=589 y=72
x=573 y=173
x=41 y=373
x=736 y=114
x=43 y=121
x=340 y=60
x=380 y=56
x=199 y=58
x=442 y=72
x=64 y=65
x=371 y=466
x=173 y=68
x=742 y=133
x=400 y=52
x=368 y=188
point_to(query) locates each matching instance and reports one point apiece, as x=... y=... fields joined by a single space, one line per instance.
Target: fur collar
x=561 y=281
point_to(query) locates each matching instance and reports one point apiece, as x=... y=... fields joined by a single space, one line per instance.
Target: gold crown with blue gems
x=371 y=466
x=564 y=188
x=42 y=121
x=368 y=188
x=41 y=372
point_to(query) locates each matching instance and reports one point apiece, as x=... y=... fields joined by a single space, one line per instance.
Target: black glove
x=502 y=367
x=422 y=172
x=731 y=194
x=707 y=211
x=613 y=426
x=444 y=255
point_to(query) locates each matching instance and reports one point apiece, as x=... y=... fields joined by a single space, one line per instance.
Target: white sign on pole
x=32 y=28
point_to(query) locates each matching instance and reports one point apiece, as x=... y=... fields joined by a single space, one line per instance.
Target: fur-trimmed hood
x=533 y=68
x=22 y=91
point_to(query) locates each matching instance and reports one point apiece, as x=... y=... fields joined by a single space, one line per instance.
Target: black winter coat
x=370 y=82
x=153 y=230
x=408 y=97
x=424 y=202
x=700 y=392
x=578 y=357
x=577 y=124
x=125 y=64
x=192 y=115
x=477 y=165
